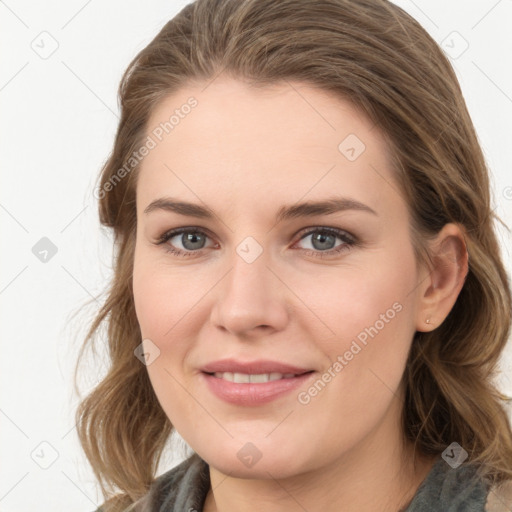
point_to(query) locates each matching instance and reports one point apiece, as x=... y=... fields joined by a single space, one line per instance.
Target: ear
x=440 y=284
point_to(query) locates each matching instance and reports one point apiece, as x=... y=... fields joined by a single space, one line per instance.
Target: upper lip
x=252 y=367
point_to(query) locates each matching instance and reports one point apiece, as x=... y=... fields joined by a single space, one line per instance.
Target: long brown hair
x=373 y=54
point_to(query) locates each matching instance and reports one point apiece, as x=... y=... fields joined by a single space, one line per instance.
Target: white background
x=59 y=116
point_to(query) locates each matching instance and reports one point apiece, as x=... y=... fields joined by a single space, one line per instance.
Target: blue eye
x=193 y=241
x=327 y=236
x=190 y=238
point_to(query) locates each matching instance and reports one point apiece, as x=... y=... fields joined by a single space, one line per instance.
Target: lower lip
x=253 y=393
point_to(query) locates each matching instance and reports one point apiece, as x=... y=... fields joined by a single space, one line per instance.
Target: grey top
x=184 y=489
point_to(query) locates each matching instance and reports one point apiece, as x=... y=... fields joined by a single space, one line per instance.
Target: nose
x=250 y=298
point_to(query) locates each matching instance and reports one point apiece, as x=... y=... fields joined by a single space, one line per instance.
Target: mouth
x=253 y=383
x=254 y=378
x=255 y=367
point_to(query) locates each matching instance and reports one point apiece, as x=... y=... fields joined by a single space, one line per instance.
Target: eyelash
x=348 y=239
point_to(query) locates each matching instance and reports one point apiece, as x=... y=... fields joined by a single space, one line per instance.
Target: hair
x=376 y=56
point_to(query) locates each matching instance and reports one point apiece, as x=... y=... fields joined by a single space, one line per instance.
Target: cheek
x=372 y=313
x=161 y=313
x=150 y=303
x=163 y=297
x=169 y=309
x=349 y=302
x=372 y=316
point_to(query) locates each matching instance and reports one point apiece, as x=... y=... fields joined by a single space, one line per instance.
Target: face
x=277 y=334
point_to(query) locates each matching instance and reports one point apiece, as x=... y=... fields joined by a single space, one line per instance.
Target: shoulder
x=181 y=488
x=449 y=487
x=499 y=498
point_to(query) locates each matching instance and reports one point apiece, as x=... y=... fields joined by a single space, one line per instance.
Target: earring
x=427 y=320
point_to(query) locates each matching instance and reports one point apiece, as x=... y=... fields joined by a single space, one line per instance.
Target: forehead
x=259 y=146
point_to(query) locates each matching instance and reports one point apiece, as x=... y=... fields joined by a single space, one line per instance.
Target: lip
x=254 y=367
x=253 y=394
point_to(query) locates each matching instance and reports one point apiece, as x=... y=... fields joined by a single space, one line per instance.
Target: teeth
x=241 y=378
x=244 y=378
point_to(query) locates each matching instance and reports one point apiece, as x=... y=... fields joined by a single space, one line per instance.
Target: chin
x=252 y=460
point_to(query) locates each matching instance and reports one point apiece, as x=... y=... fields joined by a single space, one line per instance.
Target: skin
x=245 y=152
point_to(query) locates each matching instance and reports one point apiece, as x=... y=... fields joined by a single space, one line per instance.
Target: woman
x=308 y=286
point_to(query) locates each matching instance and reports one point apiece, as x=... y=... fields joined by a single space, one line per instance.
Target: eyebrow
x=287 y=212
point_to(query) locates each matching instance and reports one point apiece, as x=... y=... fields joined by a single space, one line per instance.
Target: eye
x=323 y=239
x=192 y=240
